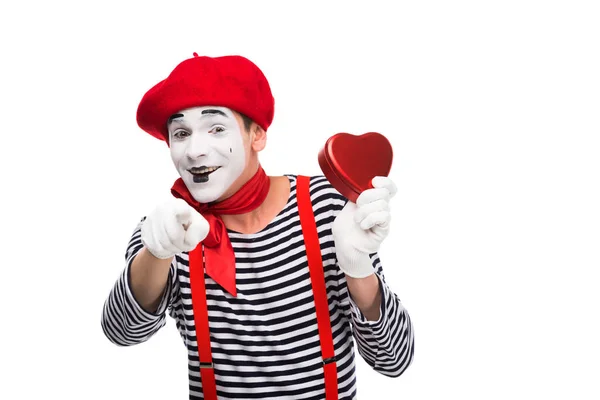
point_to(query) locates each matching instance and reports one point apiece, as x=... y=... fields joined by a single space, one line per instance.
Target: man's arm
x=383 y=329
x=126 y=320
x=384 y=338
x=149 y=279
x=135 y=308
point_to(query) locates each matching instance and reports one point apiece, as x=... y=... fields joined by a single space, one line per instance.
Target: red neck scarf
x=218 y=254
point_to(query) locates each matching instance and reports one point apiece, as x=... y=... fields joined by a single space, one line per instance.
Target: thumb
x=197 y=230
x=182 y=212
x=384 y=182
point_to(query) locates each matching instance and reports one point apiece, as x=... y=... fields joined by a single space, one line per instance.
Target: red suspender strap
x=198 y=288
x=317 y=277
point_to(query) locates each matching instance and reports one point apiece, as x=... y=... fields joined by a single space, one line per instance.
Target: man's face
x=207 y=149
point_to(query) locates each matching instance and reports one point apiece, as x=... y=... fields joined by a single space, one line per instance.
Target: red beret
x=229 y=81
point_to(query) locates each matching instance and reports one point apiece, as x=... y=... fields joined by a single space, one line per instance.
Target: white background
x=493 y=112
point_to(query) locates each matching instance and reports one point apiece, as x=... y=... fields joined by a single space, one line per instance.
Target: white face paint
x=207 y=150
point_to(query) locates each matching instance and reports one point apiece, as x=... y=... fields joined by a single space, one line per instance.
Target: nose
x=198 y=146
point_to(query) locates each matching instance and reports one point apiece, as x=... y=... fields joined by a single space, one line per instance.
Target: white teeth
x=203 y=170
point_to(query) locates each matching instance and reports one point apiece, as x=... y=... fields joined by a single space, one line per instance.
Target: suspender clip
x=329 y=360
x=206 y=365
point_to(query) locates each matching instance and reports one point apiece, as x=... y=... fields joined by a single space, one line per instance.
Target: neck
x=256 y=220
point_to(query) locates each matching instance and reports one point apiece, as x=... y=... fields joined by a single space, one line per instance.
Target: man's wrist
x=355 y=264
x=366 y=294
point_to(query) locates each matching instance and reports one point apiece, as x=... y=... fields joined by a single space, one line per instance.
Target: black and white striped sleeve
x=387 y=344
x=124 y=321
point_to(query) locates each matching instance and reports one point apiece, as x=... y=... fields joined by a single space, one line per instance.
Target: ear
x=259 y=138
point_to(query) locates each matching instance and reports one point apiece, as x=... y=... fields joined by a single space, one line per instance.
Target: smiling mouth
x=201 y=174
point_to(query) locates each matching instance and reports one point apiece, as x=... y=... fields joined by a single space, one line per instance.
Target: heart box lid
x=350 y=162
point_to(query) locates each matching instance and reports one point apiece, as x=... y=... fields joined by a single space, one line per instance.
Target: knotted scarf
x=219 y=256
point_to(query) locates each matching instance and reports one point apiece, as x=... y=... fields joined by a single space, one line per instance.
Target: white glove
x=172 y=228
x=359 y=229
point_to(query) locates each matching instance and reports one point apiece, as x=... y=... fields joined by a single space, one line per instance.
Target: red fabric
x=229 y=81
x=207 y=374
x=317 y=277
x=219 y=255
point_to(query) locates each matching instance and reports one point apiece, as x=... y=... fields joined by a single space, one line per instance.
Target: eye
x=180 y=134
x=218 y=129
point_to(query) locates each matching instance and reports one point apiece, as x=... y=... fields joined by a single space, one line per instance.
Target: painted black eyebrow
x=210 y=111
x=213 y=111
x=174 y=116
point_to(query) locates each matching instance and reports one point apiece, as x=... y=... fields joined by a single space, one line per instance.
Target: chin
x=206 y=192
x=205 y=195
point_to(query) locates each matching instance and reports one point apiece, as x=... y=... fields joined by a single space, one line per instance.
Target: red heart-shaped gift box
x=350 y=162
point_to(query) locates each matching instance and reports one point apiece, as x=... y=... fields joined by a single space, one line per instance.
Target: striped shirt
x=265 y=342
